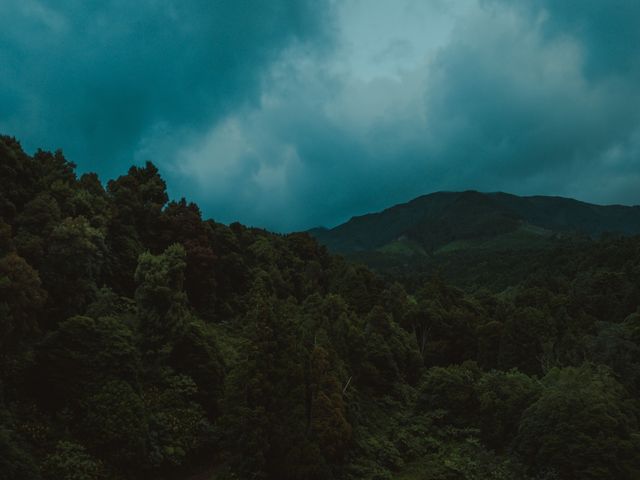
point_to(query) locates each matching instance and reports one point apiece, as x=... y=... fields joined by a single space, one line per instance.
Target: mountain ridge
x=437 y=219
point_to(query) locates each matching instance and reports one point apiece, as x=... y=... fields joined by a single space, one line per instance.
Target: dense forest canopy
x=139 y=340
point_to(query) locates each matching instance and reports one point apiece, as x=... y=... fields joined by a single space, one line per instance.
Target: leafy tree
x=391 y=354
x=17 y=178
x=6 y=240
x=182 y=223
x=114 y=423
x=327 y=410
x=73 y=265
x=195 y=353
x=34 y=225
x=617 y=345
x=584 y=425
x=90 y=200
x=21 y=298
x=266 y=409
x=71 y=461
x=452 y=391
x=15 y=461
x=523 y=339
x=80 y=354
x=502 y=398
x=109 y=304
x=160 y=297
x=489 y=336
x=178 y=426
x=135 y=224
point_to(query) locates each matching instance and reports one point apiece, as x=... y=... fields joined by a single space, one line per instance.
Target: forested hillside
x=449 y=221
x=139 y=340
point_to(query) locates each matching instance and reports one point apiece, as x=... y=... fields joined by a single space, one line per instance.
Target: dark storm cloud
x=538 y=102
x=518 y=98
x=290 y=115
x=97 y=77
x=511 y=104
x=608 y=29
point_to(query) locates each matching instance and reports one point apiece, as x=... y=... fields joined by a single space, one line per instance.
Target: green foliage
x=327 y=409
x=138 y=340
x=451 y=390
x=15 y=461
x=267 y=394
x=160 y=297
x=114 y=423
x=391 y=355
x=584 y=425
x=34 y=225
x=72 y=265
x=195 y=353
x=462 y=460
x=502 y=398
x=618 y=346
x=17 y=178
x=70 y=461
x=80 y=354
x=523 y=337
x=21 y=298
x=178 y=426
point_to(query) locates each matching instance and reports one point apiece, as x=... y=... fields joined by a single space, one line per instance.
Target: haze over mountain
x=446 y=221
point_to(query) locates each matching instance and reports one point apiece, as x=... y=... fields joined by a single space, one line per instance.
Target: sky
x=291 y=114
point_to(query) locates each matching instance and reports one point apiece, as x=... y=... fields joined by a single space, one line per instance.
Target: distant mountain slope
x=443 y=221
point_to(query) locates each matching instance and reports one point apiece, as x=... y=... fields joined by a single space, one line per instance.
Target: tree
x=584 y=425
x=115 y=425
x=391 y=354
x=15 y=461
x=81 y=353
x=138 y=199
x=160 y=297
x=6 y=240
x=523 y=338
x=178 y=426
x=21 y=298
x=616 y=345
x=182 y=222
x=266 y=421
x=502 y=397
x=195 y=353
x=73 y=266
x=71 y=461
x=452 y=391
x=327 y=410
x=17 y=178
x=34 y=225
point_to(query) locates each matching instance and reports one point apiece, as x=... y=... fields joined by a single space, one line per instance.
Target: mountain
x=446 y=221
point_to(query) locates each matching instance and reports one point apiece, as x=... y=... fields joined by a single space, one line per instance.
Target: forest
x=139 y=340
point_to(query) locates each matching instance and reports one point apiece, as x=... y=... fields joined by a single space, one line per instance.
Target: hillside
x=139 y=340
x=446 y=221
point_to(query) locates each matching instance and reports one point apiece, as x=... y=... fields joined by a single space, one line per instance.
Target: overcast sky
x=291 y=114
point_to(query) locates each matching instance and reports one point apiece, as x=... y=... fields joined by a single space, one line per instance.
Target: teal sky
x=291 y=114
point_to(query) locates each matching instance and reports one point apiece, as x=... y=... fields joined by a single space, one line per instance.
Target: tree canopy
x=139 y=340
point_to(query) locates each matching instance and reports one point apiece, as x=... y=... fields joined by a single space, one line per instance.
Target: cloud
x=509 y=103
x=500 y=98
x=310 y=113
x=97 y=78
x=608 y=30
